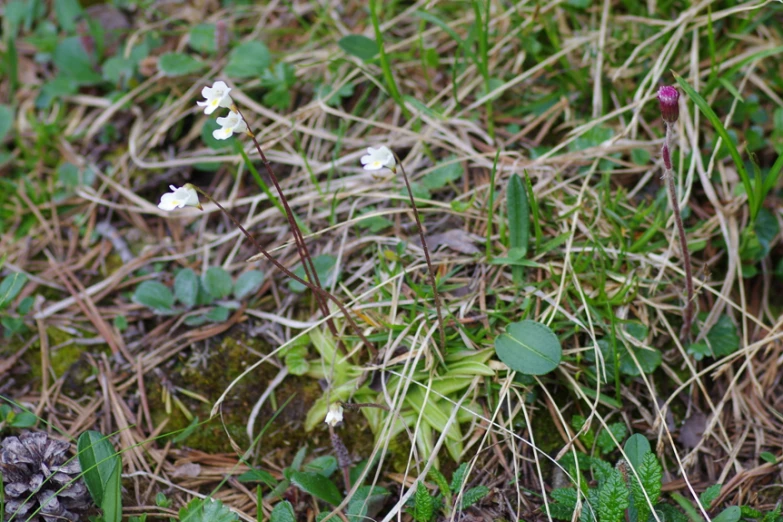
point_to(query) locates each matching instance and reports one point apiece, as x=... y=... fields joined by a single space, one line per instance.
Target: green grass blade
x=391 y=84
x=518 y=223
x=429 y=17
x=707 y=111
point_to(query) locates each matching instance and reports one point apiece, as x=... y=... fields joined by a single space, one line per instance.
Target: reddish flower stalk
x=668 y=98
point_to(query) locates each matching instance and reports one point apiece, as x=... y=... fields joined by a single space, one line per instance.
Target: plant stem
x=318 y=291
x=426 y=256
x=301 y=246
x=686 y=256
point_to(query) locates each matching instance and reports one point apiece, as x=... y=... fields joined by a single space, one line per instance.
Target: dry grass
x=573 y=117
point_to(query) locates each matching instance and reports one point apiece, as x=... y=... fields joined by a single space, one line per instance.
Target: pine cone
x=38 y=480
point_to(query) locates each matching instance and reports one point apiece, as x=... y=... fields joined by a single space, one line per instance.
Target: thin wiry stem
x=318 y=291
x=686 y=256
x=426 y=249
x=301 y=246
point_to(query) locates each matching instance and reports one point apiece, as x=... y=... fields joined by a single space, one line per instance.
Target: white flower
x=335 y=414
x=217 y=96
x=180 y=197
x=376 y=159
x=229 y=125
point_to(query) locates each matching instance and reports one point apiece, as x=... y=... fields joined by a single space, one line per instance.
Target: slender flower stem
x=301 y=246
x=426 y=256
x=686 y=256
x=318 y=291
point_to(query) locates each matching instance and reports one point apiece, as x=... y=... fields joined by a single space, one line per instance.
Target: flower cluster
x=218 y=96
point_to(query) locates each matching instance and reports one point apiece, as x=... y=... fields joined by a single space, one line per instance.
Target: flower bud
x=668 y=98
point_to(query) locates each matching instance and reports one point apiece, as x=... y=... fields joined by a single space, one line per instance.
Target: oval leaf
x=154 y=295
x=248 y=283
x=100 y=465
x=529 y=347
x=359 y=46
x=247 y=60
x=317 y=485
x=186 y=287
x=218 y=282
x=635 y=448
x=283 y=512
x=178 y=64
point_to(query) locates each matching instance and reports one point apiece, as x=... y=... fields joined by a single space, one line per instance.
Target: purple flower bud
x=668 y=98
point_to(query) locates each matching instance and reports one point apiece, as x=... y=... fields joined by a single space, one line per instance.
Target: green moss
x=282 y=418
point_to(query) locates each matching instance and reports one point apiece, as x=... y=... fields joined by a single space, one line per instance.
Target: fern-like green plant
x=613 y=499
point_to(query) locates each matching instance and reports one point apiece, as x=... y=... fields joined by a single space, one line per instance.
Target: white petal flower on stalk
x=229 y=125
x=376 y=159
x=217 y=96
x=335 y=415
x=180 y=197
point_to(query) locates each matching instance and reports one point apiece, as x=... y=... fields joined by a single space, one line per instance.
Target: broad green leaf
x=100 y=465
x=178 y=64
x=155 y=295
x=67 y=11
x=248 y=283
x=360 y=46
x=529 y=347
x=449 y=170
x=24 y=419
x=636 y=447
x=325 y=465
x=218 y=282
x=6 y=121
x=202 y=38
x=613 y=499
x=518 y=222
x=283 y=512
x=112 y=494
x=722 y=340
x=10 y=287
x=186 y=287
x=367 y=499
x=207 y=510
x=73 y=61
x=219 y=314
x=730 y=514
x=317 y=485
x=249 y=59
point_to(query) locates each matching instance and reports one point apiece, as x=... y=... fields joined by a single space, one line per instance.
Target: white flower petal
x=379 y=158
x=335 y=414
x=179 y=197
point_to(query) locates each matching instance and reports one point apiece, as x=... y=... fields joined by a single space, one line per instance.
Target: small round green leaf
x=248 y=283
x=154 y=295
x=249 y=59
x=529 y=347
x=202 y=38
x=178 y=64
x=218 y=282
x=359 y=46
x=186 y=287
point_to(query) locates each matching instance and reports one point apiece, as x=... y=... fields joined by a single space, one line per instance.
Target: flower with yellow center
x=216 y=96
